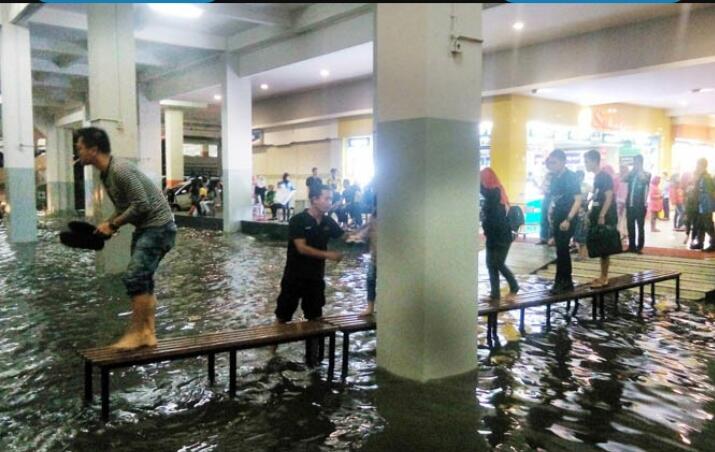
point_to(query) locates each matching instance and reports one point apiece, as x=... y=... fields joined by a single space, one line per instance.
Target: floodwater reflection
x=627 y=383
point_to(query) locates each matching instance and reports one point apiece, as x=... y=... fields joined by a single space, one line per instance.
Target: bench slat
x=212 y=342
x=539 y=298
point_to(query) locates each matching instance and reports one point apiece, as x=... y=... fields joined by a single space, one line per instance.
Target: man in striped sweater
x=139 y=202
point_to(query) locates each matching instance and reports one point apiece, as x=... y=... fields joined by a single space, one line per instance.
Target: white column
x=112 y=107
x=426 y=109
x=60 y=171
x=150 y=139
x=17 y=127
x=174 y=142
x=236 y=149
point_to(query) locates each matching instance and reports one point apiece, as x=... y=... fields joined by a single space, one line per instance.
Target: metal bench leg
x=568 y=306
x=346 y=351
x=321 y=350
x=331 y=358
x=652 y=295
x=522 y=330
x=602 y=304
x=105 y=394
x=489 y=331
x=232 y=373
x=575 y=308
x=615 y=301
x=212 y=367
x=495 y=334
x=594 y=307
x=677 y=292
x=88 y=381
x=641 y=290
x=548 y=317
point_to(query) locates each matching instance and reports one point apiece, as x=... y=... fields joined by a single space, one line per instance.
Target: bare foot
x=596 y=283
x=134 y=340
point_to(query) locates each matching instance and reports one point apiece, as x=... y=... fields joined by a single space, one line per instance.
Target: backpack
x=515 y=217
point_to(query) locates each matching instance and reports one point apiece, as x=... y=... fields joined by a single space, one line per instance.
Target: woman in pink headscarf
x=655 y=202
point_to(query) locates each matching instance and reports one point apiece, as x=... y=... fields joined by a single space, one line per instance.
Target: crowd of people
x=640 y=199
x=350 y=203
x=592 y=220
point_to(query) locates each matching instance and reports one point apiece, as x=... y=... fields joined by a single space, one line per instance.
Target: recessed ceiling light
x=702 y=90
x=324 y=73
x=264 y=86
x=518 y=25
x=177 y=9
x=682 y=103
x=217 y=97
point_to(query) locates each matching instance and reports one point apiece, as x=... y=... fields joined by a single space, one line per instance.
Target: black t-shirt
x=601 y=184
x=304 y=226
x=563 y=189
x=349 y=194
x=313 y=183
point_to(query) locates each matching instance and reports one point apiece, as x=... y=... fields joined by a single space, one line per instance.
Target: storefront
x=688 y=152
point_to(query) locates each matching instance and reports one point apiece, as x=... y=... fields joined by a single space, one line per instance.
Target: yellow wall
x=694 y=132
x=510 y=115
x=355 y=126
x=634 y=118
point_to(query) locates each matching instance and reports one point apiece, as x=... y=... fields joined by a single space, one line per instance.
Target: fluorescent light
x=177 y=9
x=264 y=86
x=682 y=103
x=702 y=90
x=324 y=73
x=518 y=25
x=217 y=97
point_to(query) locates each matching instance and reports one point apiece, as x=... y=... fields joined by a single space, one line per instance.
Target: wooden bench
x=543 y=297
x=347 y=324
x=208 y=345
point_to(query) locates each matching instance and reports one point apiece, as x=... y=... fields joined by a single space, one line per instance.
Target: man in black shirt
x=308 y=236
x=313 y=182
x=637 y=204
x=565 y=201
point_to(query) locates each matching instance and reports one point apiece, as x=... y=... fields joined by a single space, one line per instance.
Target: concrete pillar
x=174 y=141
x=427 y=107
x=60 y=171
x=17 y=127
x=112 y=107
x=150 y=139
x=236 y=149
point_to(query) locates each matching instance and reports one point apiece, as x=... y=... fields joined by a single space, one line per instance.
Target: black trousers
x=705 y=226
x=635 y=217
x=496 y=263
x=666 y=208
x=563 y=256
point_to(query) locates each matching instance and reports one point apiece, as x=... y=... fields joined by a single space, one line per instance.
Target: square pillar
x=174 y=140
x=236 y=149
x=427 y=108
x=17 y=127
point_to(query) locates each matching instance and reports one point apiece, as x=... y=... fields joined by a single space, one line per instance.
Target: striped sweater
x=136 y=199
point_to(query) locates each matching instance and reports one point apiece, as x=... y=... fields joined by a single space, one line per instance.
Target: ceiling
x=60 y=67
x=545 y=22
x=670 y=89
x=352 y=63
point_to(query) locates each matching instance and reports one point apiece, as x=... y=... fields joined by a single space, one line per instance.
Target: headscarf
x=656 y=181
x=490 y=180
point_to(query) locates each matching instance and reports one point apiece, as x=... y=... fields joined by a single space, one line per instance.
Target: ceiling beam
x=20 y=13
x=43 y=46
x=76 y=69
x=261 y=15
x=312 y=17
x=620 y=48
x=68 y=19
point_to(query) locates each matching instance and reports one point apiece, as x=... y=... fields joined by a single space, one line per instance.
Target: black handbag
x=603 y=240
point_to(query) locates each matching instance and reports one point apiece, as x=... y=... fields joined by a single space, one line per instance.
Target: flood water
x=628 y=383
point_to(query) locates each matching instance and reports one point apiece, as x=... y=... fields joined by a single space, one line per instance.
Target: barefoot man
x=139 y=202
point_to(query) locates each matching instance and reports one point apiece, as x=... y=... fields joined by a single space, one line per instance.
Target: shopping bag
x=603 y=240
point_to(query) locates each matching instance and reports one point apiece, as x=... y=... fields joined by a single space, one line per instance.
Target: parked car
x=179 y=196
